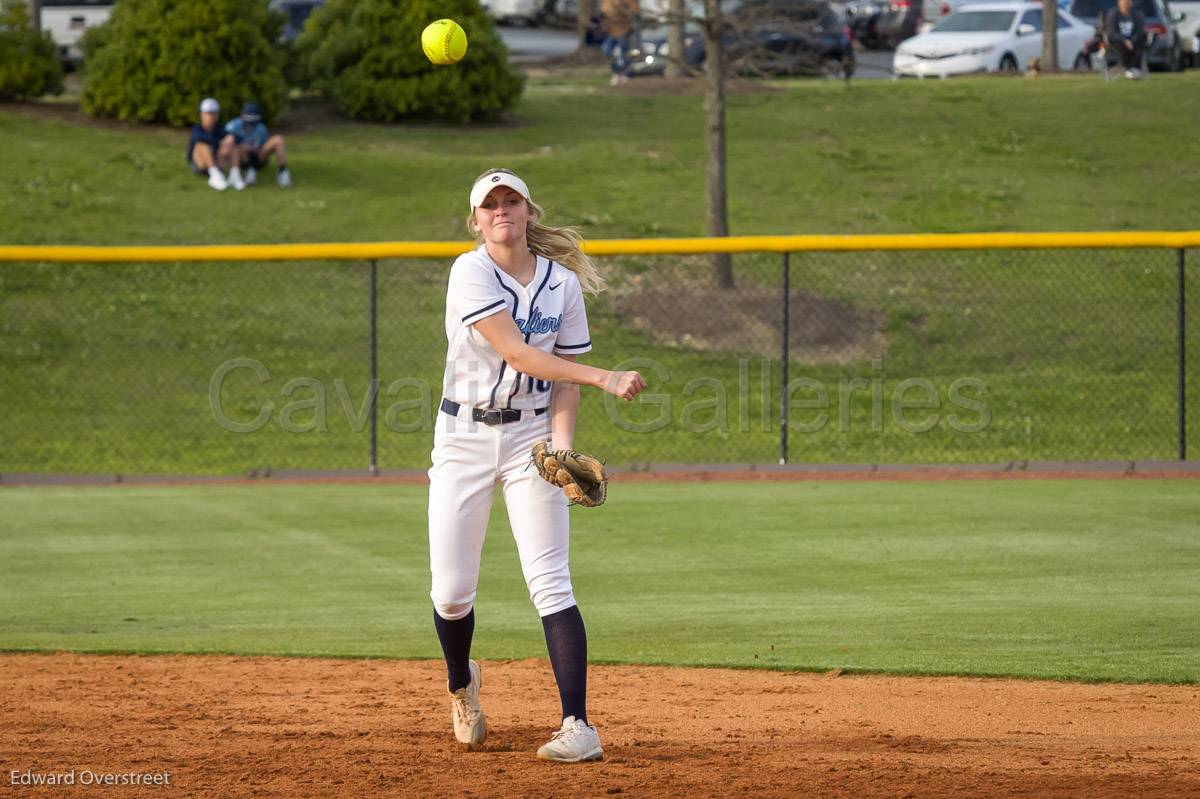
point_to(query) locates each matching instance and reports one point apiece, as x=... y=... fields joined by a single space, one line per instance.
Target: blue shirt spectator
x=243 y=132
x=255 y=147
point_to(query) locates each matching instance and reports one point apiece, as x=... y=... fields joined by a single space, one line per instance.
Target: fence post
x=783 y=403
x=1182 y=401
x=373 y=385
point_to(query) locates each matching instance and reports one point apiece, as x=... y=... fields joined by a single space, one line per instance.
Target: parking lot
x=529 y=45
x=890 y=38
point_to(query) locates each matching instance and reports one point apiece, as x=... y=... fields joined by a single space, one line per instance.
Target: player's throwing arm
x=515 y=325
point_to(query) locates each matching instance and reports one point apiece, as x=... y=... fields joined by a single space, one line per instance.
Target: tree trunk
x=35 y=14
x=714 y=119
x=1049 y=36
x=583 y=20
x=676 y=19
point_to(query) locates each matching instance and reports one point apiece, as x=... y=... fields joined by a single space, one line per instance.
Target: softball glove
x=581 y=477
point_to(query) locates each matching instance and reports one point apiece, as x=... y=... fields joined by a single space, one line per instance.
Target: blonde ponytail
x=564 y=245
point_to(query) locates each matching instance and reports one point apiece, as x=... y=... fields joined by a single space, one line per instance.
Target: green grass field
x=1069 y=153
x=1090 y=580
x=106 y=368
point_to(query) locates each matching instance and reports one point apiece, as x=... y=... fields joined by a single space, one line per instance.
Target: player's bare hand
x=626 y=385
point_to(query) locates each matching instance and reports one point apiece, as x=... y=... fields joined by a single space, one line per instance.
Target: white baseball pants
x=469 y=458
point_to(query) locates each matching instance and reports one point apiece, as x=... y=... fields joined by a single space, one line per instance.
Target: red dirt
x=240 y=727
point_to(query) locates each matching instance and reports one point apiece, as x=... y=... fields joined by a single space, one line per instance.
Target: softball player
x=515 y=323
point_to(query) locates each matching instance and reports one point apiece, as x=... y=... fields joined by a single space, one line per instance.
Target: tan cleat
x=470 y=725
x=574 y=743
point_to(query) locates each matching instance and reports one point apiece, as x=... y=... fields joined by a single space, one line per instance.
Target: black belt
x=489 y=416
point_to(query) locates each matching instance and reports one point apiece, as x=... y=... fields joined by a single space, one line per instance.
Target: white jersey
x=549 y=313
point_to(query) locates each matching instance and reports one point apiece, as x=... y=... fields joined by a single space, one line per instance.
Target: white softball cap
x=491 y=180
x=209 y=105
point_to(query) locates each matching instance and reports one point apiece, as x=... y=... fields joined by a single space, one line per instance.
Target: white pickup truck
x=1188 y=27
x=66 y=20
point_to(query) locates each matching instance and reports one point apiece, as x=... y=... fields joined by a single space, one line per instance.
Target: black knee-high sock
x=566 y=641
x=456 y=646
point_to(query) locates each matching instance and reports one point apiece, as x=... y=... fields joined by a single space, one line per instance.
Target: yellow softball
x=444 y=41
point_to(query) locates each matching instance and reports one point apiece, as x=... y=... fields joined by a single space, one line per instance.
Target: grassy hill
x=109 y=368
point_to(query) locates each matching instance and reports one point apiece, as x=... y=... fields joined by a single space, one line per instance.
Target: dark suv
x=899 y=20
x=1165 y=50
x=774 y=37
x=862 y=16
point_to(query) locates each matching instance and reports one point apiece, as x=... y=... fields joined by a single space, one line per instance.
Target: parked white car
x=1187 y=22
x=987 y=37
x=937 y=10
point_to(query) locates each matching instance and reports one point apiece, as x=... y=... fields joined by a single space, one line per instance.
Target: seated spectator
x=1125 y=28
x=206 y=148
x=254 y=147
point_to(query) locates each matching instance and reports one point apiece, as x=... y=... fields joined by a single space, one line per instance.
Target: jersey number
x=542 y=385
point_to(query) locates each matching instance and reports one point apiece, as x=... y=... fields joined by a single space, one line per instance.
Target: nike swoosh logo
x=556 y=285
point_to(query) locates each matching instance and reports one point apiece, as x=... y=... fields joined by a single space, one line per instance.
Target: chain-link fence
x=965 y=356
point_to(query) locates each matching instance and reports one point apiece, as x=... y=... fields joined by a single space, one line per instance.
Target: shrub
x=366 y=56
x=155 y=60
x=29 y=64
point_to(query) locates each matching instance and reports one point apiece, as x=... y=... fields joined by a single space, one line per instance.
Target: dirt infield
x=271 y=727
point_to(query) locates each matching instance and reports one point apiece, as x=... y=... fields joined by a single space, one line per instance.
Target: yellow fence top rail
x=359 y=251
